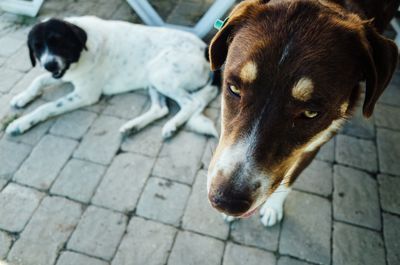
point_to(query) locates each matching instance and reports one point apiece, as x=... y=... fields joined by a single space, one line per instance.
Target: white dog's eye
x=234 y=90
x=310 y=114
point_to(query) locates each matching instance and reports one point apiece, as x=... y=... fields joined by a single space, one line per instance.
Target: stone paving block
x=216 y=103
x=45 y=162
x=20 y=60
x=147 y=141
x=186 y=13
x=163 y=200
x=389 y=151
x=180 y=156
x=17 y=204
x=3 y=183
x=327 y=151
x=5 y=244
x=26 y=80
x=291 y=261
x=78 y=180
x=11 y=157
x=356 y=153
x=391 y=96
x=208 y=152
x=126 y=106
x=73 y=124
x=47 y=232
x=164 y=8
x=10 y=45
x=72 y=258
x=359 y=126
x=389 y=193
x=238 y=255
x=146 y=242
x=2 y=60
x=316 y=178
x=304 y=234
x=98 y=233
x=123 y=182
x=8 y=78
x=99 y=106
x=356 y=246
x=355 y=199
x=54 y=92
x=102 y=140
x=251 y=232
x=199 y=215
x=124 y=12
x=194 y=249
x=387 y=116
x=391 y=233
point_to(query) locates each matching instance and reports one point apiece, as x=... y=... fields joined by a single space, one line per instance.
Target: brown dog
x=291 y=78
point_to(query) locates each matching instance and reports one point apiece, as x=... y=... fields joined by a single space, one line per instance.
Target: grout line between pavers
x=379 y=193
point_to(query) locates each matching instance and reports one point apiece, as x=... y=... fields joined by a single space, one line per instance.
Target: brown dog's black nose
x=232 y=203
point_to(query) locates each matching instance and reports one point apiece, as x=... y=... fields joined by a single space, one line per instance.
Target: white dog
x=109 y=57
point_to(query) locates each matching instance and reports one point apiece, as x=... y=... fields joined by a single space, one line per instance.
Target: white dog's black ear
x=31 y=52
x=79 y=33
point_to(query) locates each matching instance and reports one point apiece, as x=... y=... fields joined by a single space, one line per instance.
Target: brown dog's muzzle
x=232 y=194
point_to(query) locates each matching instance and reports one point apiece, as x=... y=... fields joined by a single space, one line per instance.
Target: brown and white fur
x=292 y=73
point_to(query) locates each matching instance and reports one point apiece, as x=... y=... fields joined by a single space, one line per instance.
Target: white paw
x=168 y=130
x=20 y=100
x=129 y=127
x=228 y=218
x=19 y=126
x=270 y=215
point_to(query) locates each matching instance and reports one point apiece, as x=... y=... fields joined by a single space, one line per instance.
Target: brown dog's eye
x=234 y=90
x=310 y=114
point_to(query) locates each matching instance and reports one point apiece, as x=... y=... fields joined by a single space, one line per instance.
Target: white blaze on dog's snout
x=47 y=57
x=303 y=89
x=230 y=158
x=249 y=72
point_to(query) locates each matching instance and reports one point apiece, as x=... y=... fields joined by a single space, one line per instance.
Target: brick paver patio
x=72 y=192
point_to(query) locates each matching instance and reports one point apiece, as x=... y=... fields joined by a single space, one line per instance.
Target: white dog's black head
x=56 y=44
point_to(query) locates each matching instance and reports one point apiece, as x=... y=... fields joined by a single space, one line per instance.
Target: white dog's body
x=122 y=57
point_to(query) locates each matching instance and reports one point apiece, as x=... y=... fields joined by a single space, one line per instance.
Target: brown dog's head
x=291 y=78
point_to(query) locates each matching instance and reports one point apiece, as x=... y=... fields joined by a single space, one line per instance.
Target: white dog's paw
x=129 y=128
x=228 y=218
x=20 y=100
x=270 y=215
x=19 y=126
x=168 y=130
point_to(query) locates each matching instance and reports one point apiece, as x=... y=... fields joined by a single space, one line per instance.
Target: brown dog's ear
x=218 y=48
x=219 y=45
x=380 y=60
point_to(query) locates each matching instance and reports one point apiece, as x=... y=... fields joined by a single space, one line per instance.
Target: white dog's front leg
x=272 y=210
x=70 y=102
x=34 y=90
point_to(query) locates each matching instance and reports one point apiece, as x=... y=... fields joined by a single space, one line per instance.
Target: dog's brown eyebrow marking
x=249 y=72
x=303 y=89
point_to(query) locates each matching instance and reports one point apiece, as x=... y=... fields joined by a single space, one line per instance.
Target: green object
x=220 y=23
